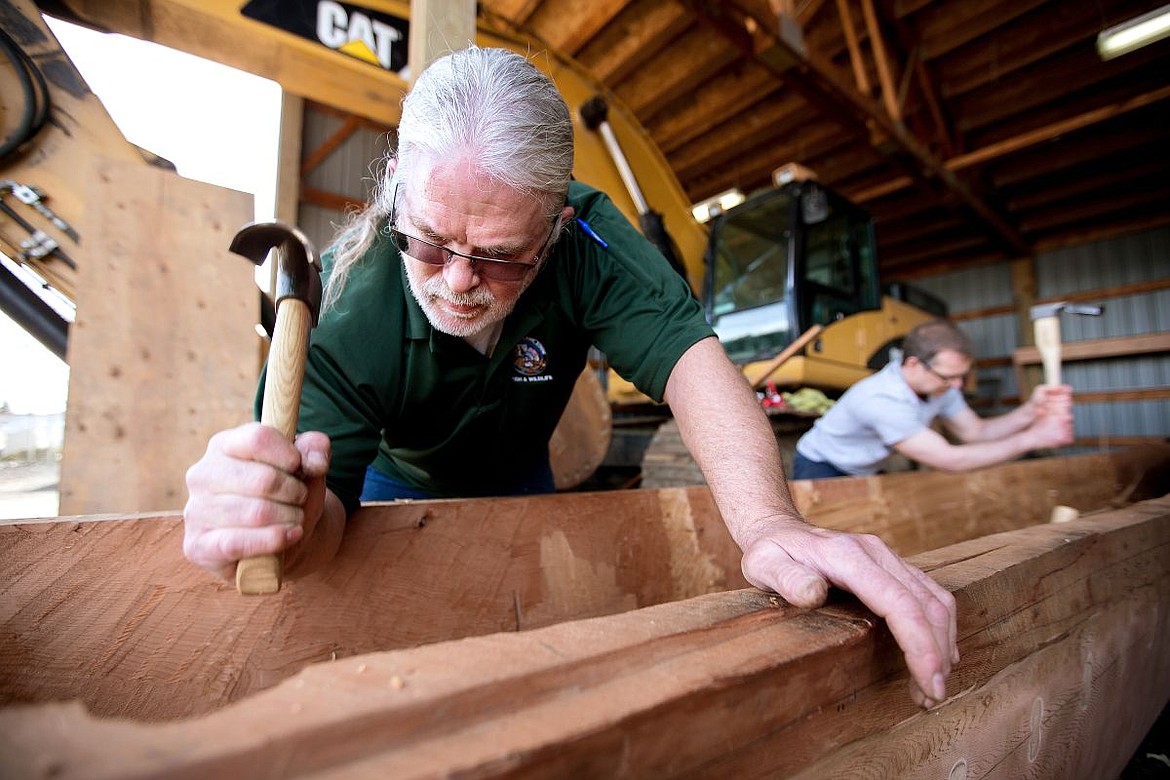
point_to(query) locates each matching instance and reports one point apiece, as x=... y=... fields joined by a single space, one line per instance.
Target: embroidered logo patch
x=530 y=361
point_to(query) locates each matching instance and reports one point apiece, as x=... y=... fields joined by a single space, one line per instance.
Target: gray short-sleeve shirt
x=861 y=429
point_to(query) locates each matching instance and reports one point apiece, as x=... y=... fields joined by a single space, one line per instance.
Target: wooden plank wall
x=107 y=611
x=1062 y=630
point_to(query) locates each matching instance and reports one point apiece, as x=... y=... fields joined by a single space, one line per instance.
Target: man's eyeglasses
x=960 y=378
x=497 y=269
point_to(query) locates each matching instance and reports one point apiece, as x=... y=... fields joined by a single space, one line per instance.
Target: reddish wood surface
x=106 y=610
x=1061 y=629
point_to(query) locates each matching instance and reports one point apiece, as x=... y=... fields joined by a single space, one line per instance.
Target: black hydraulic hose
x=595 y=114
x=30 y=311
x=35 y=111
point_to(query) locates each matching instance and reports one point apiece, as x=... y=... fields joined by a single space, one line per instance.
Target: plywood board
x=58 y=161
x=163 y=351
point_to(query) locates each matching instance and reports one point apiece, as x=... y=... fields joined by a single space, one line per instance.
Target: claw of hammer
x=298 y=304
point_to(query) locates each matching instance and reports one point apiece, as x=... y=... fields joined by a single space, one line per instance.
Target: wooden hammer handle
x=282 y=406
x=1046 y=332
x=785 y=355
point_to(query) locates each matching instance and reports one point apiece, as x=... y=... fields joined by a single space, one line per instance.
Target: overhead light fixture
x=1134 y=34
x=713 y=207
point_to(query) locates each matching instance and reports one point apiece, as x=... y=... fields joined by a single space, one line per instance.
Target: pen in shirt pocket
x=589 y=231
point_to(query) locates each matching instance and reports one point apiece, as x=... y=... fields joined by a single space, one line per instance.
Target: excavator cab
x=783 y=261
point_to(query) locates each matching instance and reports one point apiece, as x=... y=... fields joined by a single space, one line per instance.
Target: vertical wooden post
x=1023 y=274
x=438 y=27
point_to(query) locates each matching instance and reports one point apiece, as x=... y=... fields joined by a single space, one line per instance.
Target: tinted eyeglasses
x=497 y=269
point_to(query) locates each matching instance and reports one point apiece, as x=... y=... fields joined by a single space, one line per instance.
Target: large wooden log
x=1062 y=631
x=107 y=611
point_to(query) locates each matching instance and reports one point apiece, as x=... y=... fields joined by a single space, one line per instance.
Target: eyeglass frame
x=962 y=378
x=472 y=260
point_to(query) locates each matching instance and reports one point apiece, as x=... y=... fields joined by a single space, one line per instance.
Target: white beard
x=429 y=293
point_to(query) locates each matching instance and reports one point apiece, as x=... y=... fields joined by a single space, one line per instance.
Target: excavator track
x=668 y=463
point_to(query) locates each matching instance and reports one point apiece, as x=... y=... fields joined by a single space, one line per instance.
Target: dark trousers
x=380 y=487
x=803 y=468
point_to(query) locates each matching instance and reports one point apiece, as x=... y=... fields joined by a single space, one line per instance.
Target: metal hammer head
x=1043 y=310
x=298 y=272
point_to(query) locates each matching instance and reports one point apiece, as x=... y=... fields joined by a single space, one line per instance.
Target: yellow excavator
x=795 y=260
x=789 y=281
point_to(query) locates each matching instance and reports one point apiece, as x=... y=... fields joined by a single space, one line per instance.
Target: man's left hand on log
x=800 y=562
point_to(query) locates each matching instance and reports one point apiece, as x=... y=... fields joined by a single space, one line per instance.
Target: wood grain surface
x=105 y=609
x=1063 y=670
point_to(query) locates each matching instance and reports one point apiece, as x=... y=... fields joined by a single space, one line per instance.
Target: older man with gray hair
x=458 y=313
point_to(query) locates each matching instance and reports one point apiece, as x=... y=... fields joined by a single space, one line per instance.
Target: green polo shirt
x=430 y=411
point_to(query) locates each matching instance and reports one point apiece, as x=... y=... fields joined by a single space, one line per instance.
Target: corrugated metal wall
x=1133 y=261
x=350 y=170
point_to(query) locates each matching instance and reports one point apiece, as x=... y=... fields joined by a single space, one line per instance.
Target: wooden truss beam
x=1024 y=140
x=818 y=81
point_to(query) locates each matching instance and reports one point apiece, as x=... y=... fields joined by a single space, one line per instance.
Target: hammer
x=1046 y=329
x=298 y=303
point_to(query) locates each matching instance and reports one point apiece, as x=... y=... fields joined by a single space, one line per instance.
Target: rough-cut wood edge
x=107 y=611
x=582 y=436
x=1064 y=669
x=917 y=511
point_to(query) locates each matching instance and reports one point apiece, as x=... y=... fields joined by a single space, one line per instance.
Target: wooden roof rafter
x=853 y=47
x=914 y=71
x=920 y=74
x=630 y=39
x=877 y=45
x=816 y=79
x=548 y=25
x=967 y=92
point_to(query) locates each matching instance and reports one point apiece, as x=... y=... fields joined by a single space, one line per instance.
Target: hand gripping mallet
x=298 y=303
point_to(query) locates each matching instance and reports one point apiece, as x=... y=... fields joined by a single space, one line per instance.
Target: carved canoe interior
x=599 y=634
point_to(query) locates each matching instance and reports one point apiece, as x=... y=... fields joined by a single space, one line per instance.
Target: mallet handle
x=282 y=406
x=1046 y=331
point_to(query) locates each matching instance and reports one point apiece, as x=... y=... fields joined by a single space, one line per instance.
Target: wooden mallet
x=298 y=303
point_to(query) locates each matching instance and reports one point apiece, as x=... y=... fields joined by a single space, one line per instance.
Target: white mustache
x=436 y=287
